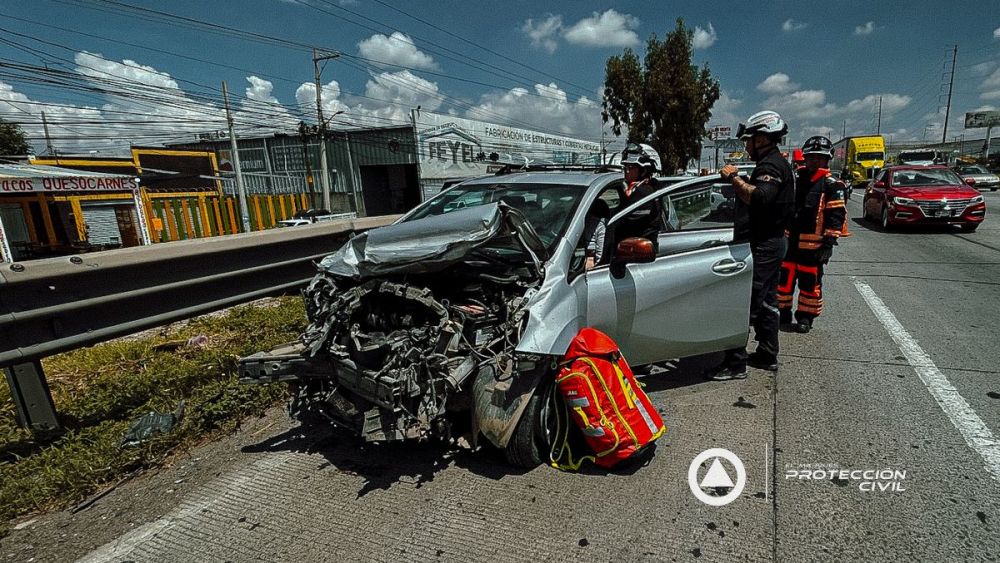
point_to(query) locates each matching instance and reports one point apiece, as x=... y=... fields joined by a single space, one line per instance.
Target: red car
x=910 y=195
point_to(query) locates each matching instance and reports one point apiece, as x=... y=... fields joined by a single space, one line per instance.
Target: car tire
x=886 y=225
x=529 y=446
x=969 y=228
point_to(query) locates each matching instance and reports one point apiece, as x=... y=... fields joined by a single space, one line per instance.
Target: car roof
x=918 y=167
x=560 y=177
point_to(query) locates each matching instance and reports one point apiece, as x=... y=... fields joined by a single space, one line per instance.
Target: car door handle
x=728 y=266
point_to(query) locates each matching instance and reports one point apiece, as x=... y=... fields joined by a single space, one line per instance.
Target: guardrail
x=58 y=304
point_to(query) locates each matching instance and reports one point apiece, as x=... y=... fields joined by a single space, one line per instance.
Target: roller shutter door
x=102 y=224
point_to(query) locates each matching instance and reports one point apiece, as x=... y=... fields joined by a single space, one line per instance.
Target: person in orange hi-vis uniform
x=820 y=215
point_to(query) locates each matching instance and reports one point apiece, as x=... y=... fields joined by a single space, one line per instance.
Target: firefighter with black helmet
x=764 y=207
x=820 y=213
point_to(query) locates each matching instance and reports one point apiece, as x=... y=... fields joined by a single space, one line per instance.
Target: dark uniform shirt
x=772 y=204
x=645 y=221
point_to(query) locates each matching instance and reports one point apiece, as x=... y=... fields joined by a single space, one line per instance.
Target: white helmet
x=767 y=122
x=643 y=155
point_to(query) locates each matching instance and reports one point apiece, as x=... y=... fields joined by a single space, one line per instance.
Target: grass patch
x=98 y=391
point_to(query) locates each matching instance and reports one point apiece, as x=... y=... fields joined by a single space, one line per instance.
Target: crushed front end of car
x=415 y=324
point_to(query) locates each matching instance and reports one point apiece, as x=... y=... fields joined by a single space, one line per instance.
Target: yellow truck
x=856 y=160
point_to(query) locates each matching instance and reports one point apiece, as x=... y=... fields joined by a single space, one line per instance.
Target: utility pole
x=325 y=175
x=951 y=83
x=241 y=190
x=48 y=140
x=878 y=127
x=844 y=134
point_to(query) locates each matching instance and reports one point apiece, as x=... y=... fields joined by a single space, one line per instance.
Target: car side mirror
x=634 y=250
x=880 y=184
x=970 y=181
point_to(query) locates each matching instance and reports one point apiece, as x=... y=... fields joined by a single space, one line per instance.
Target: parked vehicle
x=908 y=195
x=983 y=178
x=310 y=216
x=453 y=319
x=856 y=160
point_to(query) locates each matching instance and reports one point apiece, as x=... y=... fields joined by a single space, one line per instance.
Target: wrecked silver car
x=452 y=320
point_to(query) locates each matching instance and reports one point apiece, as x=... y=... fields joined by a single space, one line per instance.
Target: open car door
x=694 y=298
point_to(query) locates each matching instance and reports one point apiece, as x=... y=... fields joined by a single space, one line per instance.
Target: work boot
x=726 y=373
x=804 y=326
x=763 y=360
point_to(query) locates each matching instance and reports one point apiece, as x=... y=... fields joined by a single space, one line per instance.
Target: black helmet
x=818 y=145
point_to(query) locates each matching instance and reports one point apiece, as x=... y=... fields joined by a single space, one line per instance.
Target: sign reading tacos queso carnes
x=67 y=184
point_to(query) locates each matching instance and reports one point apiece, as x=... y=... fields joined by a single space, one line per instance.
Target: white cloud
x=996 y=33
x=866 y=29
x=704 y=38
x=724 y=111
x=991 y=86
x=549 y=110
x=792 y=25
x=96 y=66
x=543 y=33
x=891 y=103
x=396 y=49
x=610 y=29
x=777 y=83
x=812 y=130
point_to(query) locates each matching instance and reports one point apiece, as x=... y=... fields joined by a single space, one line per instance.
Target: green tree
x=665 y=101
x=12 y=140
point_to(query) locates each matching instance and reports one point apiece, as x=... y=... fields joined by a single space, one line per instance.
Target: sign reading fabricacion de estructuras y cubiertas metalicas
x=453 y=147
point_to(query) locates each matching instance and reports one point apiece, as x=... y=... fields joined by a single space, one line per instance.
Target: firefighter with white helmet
x=820 y=213
x=764 y=207
x=640 y=162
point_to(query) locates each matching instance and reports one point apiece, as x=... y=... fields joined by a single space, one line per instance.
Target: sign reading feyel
x=453 y=147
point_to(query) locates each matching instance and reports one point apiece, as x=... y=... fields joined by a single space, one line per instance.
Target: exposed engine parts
x=400 y=354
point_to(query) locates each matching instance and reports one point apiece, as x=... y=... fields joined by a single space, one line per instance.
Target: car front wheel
x=532 y=440
x=886 y=225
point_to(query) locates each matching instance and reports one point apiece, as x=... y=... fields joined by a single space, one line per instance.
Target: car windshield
x=870 y=156
x=972 y=170
x=927 y=177
x=548 y=207
x=916 y=156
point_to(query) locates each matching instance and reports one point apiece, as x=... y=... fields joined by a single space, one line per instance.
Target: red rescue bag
x=605 y=401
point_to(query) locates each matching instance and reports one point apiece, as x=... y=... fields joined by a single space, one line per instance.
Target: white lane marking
x=973 y=429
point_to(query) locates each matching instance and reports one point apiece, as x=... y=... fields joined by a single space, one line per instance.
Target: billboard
x=450 y=147
x=976 y=119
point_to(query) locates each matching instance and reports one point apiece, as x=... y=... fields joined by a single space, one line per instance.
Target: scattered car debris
x=150 y=425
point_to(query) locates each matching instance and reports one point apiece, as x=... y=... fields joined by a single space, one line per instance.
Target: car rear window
x=925 y=177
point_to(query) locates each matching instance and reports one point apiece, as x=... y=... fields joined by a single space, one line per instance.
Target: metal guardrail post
x=54 y=305
x=32 y=399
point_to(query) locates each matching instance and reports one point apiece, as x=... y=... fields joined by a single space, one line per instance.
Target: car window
x=701 y=206
x=548 y=207
x=924 y=177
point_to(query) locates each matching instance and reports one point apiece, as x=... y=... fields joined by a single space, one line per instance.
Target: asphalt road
x=899 y=374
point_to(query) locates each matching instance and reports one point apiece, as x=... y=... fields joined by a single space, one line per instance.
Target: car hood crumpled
x=432 y=243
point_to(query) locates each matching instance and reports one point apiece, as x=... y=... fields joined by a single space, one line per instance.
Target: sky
x=110 y=73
